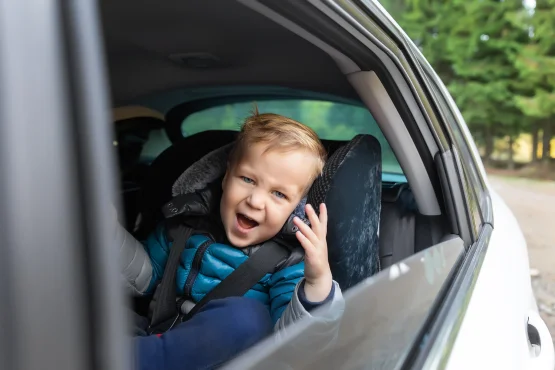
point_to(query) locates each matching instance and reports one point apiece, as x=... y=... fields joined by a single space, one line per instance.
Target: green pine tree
x=536 y=64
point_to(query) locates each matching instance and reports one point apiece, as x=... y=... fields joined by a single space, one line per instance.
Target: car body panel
x=493 y=334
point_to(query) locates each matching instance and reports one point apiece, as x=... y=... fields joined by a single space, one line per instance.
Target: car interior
x=183 y=75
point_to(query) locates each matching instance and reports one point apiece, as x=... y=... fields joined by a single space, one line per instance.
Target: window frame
x=460 y=156
x=477 y=192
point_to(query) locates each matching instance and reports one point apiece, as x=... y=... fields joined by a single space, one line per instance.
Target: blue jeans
x=218 y=332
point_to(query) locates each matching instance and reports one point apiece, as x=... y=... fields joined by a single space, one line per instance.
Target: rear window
x=330 y=120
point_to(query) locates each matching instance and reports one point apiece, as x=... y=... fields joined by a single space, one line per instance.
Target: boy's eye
x=279 y=194
x=247 y=180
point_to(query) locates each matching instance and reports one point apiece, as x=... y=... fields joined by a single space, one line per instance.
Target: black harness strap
x=236 y=284
x=165 y=308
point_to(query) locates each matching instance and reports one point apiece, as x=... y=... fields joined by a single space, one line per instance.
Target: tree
x=471 y=44
x=427 y=22
x=482 y=47
x=536 y=65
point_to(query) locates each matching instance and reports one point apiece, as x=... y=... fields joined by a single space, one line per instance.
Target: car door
x=61 y=306
x=501 y=304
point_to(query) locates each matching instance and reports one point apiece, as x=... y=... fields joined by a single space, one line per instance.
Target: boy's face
x=261 y=190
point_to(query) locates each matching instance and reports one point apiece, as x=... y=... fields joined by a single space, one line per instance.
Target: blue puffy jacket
x=204 y=264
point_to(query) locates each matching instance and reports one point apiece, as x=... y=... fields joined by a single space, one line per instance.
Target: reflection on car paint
x=397 y=270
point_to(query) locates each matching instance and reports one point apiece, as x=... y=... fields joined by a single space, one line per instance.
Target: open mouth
x=246 y=222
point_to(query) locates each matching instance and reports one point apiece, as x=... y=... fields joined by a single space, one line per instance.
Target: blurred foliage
x=496 y=57
x=330 y=120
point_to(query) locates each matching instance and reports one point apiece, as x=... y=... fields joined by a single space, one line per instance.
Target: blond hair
x=279 y=133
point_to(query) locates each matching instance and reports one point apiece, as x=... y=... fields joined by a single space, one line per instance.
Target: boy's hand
x=318 y=279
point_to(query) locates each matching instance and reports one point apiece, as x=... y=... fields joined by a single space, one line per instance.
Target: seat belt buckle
x=164 y=326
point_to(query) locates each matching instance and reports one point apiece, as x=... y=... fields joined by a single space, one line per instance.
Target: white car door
x=499 y=323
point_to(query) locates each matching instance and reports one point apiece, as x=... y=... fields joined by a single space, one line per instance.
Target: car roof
x=160 y=46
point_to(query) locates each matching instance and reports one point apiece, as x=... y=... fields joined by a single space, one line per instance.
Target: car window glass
x=141 y=146
x=157 y=142
x=330 y=120
x=383 y=320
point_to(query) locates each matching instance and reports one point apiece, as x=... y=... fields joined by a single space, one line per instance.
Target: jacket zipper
x=195 y=268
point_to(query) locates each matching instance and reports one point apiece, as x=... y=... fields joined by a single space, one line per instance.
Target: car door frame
x=62 y=305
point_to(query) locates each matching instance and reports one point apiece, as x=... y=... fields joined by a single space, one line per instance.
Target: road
x=533 y=204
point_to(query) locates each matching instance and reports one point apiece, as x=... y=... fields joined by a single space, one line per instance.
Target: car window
x=330 y=120
x=141 y=145
x=156 y=143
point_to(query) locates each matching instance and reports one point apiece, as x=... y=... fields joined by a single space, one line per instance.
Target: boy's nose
x=256 y=200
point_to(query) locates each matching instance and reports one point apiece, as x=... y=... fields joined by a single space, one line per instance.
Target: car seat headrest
x=204 y=171
x=350 y=185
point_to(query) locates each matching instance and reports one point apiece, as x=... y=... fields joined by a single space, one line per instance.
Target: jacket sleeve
x=329 y=313
x=286 y=306
x=141 y=264
x=135 y=265
x=324 y=322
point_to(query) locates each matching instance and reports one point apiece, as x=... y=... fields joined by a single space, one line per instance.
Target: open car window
x=330 y=120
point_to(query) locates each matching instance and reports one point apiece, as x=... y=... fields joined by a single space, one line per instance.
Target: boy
x=270 y=169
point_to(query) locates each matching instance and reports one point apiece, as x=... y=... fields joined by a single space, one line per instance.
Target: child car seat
x=351 y=188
